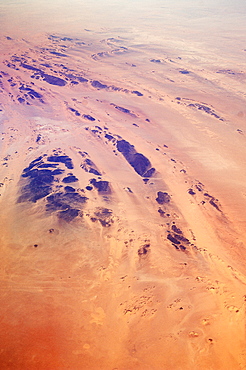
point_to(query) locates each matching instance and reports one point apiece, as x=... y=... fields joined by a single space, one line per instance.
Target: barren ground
x=123 y=201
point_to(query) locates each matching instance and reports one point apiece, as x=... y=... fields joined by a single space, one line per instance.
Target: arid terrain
x=123 y=199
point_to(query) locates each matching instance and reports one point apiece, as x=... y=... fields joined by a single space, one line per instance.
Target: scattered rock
x=155 y=60
x=144 y=250
x=104 y=216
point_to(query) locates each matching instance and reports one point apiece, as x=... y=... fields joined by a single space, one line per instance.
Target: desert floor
x=123 y=196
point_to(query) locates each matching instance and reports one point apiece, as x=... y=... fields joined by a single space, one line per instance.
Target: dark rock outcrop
x=39 y=186
x=184 y=72
x=53 y=80
x=90 y=167
x=143 y=250
x=137 y=93
x=90 y=118
x=191 y=192
x=39 y=182
x=27 y=66
x=61 y=159
x=163 y=197
x=176 y=229
x=101 y=186
x=104 y=216
x=173 y=239
x=98 y=85
x=124 y=110
x=70 y=178
x=138 y=161
x=69 y=214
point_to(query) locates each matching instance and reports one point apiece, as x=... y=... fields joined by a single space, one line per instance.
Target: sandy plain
x=113 y=268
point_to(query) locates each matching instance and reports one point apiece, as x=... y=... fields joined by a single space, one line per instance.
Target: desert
x=122 y=186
